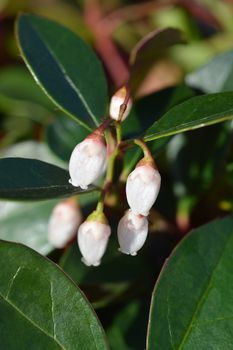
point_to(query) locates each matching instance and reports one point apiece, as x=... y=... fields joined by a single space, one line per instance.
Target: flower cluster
x=88 y=163
x=142 y=188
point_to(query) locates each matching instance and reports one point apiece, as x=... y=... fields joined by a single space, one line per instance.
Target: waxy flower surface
x=132 y=232
x=92 y=241
x=63 y=223
x=87 y=162
x=142 y=188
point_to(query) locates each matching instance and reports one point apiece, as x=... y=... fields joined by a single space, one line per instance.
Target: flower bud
x=116 y=101
x=142 y=188
x=87 y=162
x=132 y=232
x=63 y=223
x=93 y=238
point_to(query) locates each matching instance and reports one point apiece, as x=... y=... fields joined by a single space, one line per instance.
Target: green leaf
x=148 y=109
x=192 y=304
x=65 y=67
x=214 y=76
x=63 y=135
x=194 y=113
x=30 y=179
x=27 y=223
x=40 y=307
x=144 y=114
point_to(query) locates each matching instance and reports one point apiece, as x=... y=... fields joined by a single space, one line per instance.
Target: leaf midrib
x=32 y=322
x=69 y=81
x=65 y=74
x=186 y=127
x=203 y=297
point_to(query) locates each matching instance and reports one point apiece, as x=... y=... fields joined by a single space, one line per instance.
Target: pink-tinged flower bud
x=142 y=188
x=87 y=162
x=116 y=101
x=63 y=223
x=132 y=232
x=93 y=238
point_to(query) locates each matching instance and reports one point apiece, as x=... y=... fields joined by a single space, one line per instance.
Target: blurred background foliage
x=196 y=167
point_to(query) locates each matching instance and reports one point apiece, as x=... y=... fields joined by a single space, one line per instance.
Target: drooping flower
x=88 y=161
x=93 y=237
x=132 y=232
x=142 y=188
x=63 y=223
x=115 y=104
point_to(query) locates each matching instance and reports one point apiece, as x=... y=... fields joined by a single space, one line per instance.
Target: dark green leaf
x=195 y=113
x=144 y=112
x=192 y=304
x=65 y=67
x=40 y=307
x=63 y=135
x=30 y=179
x=214 y=76
x=148 y=109
x=27 y=223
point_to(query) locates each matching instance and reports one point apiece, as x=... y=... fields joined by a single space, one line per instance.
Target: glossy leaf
x=148 y=109
x=144 y=112
x=192 y=304
x=30 y=179
x=65 y=67
x=41 y=307
x=63 y=135
x=214 y=76
x=194 y=113
x=27 y=223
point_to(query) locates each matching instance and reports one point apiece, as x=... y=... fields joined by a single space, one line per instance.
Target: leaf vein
x=202 y=298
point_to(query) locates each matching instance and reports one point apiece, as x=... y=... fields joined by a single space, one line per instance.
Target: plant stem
x=110 y=169
x=115 y=65
x=108 y=179
x=100 y=204
x=100 y=130
x=118 y=132
x=144 y=148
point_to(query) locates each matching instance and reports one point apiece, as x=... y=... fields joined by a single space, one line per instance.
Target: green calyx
x=97 y=216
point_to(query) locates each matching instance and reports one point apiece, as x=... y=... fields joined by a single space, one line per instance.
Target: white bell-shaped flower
x=116 y=101
x=142 y=188
x=87 y=162
x=92 y=241
x=132 y=232
x=63 y=223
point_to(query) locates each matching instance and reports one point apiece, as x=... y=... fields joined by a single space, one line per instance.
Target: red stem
x=107 y=50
